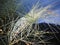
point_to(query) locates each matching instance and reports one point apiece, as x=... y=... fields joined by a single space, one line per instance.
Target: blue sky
x=49 y=19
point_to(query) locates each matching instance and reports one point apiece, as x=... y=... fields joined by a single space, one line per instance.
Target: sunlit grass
x=21 y=25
